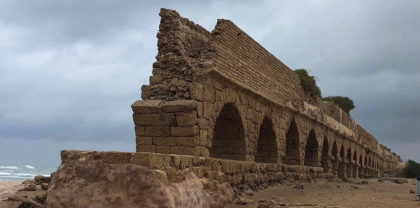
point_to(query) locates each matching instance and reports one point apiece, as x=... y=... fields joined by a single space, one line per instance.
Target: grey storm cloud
x=69 y=70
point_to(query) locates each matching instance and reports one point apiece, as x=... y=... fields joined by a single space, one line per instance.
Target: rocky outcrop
x=126 y=179
x=78 y=183
x=32 y=195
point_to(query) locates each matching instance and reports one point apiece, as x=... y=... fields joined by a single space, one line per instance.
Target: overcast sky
x=69 y=70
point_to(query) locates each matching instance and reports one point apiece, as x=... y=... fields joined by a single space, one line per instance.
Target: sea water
x=23 y=172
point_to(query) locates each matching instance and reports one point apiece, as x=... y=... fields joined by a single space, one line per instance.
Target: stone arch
x=355 y=157
x=360 y=165
x=348 y=154
x=334 y=153
x=325 y=158
x=292 y=156
x=349 y=167
x=229 y=135
x=341 y=165
x=267 y=143
x=354 y=165
x=311 y=150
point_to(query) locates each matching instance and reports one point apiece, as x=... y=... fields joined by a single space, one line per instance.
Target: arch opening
x=360 y=166
x=267 y=145
x=311 y=150
x=355 y=168
x=341 y=165
x=349 y=168
x=349 y=155
x=292 y=156
x=334 y=153
x=325 y=159
x=229 y=136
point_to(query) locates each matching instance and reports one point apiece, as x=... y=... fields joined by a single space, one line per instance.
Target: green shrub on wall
x=308 y=83
x=412 y=169
x=345 y=103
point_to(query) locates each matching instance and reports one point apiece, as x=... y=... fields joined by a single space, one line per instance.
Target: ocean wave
x=8 y=167
x=5 y=173
x=23 y=172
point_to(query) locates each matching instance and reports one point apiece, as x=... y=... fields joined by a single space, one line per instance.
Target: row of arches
x=229 y=143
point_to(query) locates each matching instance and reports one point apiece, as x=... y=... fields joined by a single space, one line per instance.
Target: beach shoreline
x=9 y=187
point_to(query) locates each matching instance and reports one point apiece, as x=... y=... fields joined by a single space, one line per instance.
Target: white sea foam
x=23 y=172
x=8 y=167
x=5 y=173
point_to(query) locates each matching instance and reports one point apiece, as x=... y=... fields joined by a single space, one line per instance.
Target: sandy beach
x=386 y=194
x=377 y=193
x=8 y=188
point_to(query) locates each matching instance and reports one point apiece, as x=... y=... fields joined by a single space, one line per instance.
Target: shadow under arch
x=325 y=159
x=229 y=136
x=341 y=164
x=267 y=145
x=292 y=156
x=311 y=150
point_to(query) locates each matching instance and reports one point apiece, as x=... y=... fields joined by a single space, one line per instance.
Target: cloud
x=69 y=71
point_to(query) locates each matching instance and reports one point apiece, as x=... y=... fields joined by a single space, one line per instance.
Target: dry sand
x=8 y=188
x=385 y=194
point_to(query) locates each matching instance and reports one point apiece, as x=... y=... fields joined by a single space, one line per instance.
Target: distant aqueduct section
x=220 y=94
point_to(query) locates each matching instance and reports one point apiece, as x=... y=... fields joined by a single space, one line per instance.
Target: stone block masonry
x=220 y=94
x=220 y=112
x=167 y=127
x=214 y=169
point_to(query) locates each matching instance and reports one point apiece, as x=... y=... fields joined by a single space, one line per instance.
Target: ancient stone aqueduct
x=222 y=95
x=220 y=112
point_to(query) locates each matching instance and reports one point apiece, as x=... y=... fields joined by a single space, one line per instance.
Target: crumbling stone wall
x=220 y=94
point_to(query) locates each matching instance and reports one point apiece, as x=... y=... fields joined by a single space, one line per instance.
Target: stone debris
x=44 y=186
x=144 y=187
x=33 y=195
x=362 y=182
x=400 y=180
x=243 y=201
x=300 y=187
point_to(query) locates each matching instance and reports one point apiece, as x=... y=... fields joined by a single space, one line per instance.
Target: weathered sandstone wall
x=220 y=111
x=239 y=102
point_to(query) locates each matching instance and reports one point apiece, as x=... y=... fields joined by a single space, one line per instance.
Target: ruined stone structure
x=220 y=111
x=220 y=94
